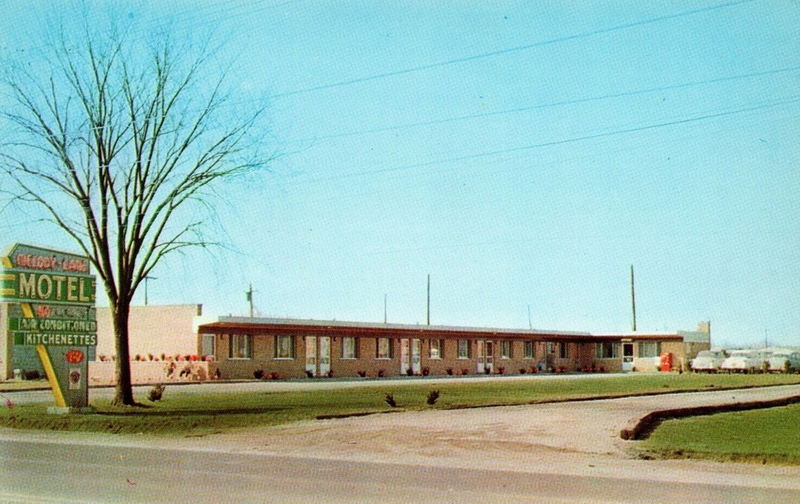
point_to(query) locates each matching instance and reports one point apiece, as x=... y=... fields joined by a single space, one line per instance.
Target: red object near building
x=74 y=356
x=665 y=363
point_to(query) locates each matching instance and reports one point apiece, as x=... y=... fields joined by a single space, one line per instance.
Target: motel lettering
x=49 y=287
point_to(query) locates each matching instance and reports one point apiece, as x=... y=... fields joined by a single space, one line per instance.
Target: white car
x=743 y=361
x=787 y=361
x=709 y=361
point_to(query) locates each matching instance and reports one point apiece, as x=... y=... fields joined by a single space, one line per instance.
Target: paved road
x=43 y=472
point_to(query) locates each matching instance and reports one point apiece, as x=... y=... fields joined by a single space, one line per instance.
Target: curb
x=644 y=426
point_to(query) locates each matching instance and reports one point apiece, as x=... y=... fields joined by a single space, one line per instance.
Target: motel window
x=241 y=346
x=284 y=347
x=563 y=351
x=207 y=345
x=437 y=349
x=463 y=349
x=649 y=348
x=349 y=348
x=383 y=348
x=607 y=350
x=530 y=352
x=506 y=350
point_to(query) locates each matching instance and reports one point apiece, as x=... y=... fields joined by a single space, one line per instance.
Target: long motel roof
x=247 y=325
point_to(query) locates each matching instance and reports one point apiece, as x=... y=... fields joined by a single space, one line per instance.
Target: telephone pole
x=429 y=300
x=249 y=296
x=633 y=300
x=146 y=280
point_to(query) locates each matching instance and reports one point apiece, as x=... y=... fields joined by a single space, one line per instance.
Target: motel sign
x=51 y=296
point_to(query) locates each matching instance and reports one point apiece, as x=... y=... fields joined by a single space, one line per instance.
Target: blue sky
x=521 y=153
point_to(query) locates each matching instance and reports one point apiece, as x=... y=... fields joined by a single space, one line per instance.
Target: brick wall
x=580 y=356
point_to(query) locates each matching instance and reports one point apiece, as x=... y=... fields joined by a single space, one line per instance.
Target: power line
x=509 y=50
x=717 y=115
x=576 y=101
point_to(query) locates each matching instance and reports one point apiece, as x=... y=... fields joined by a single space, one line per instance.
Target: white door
x=627 y=357
x=480 y=358
x=489 y=357
x=405 y=361
x=311 y=355
x=415 y=357
x=324 y=355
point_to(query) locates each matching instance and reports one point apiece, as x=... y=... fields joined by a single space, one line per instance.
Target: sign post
x=51 y=297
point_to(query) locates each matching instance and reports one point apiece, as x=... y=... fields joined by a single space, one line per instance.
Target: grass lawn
x=768 y=435
x=182 y=414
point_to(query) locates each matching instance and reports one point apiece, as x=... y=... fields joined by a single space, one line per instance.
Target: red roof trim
x=421 y=332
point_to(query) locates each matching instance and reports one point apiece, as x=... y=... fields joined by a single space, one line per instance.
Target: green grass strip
x=768 y=436
x=184 y=414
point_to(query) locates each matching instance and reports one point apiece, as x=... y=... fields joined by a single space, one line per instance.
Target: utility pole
x=429 y=299
x=249 y=296
x=633 y=300
x=147 y=278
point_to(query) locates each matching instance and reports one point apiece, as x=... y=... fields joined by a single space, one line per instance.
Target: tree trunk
x=123 y=391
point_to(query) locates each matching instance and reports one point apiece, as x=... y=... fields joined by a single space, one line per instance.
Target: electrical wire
x=553 y=143
x=575 y=101
x=510 y=50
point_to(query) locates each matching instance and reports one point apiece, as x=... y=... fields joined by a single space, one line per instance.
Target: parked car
x=745 y=361
x=784 y=361
x=709 y=361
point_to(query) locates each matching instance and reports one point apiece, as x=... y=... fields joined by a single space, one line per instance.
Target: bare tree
x=121 y=149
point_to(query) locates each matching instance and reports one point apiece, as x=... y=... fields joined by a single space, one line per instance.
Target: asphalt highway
x=47 y=472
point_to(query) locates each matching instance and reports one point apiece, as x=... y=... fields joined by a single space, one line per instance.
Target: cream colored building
x=154 y=330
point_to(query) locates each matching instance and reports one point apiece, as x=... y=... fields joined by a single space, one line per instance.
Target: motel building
x=289 y=348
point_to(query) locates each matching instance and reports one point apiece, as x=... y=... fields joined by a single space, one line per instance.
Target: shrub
x=156 y=392
x=426 y=371
x=309 y=374
x=487 y=370
x=274 y=375
x=330 y=373
x=381 y=372
x=31 y=375
x=464 y=372
x=258 y=374
x=149 y=356
x=449 y=371
x=522 y=370
x=362 y=374
x=433 y=396
x=501 y=370
x=390 y=400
